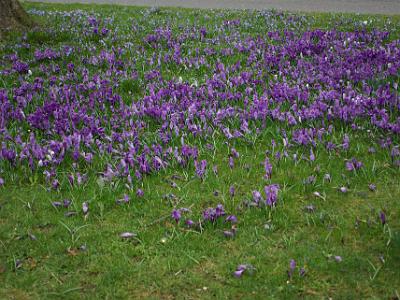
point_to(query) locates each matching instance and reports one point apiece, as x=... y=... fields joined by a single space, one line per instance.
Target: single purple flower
x=240 y=270
x=312 y=156
x=395 y=152
x=382 y=216
x=292 y=267
x=55 y=184
x=234 y=153
x=232 y=190
x=372 y=187
x=190 y=223
x=56 y=203
x=139 y=193
x=85 y=208
x=104 y=31
x=66 y=203
x=267 y=168
x=71 y=179
x=231 y=162
x=238 y=273
x=176 y=215
x=231 y=218
x=346 y=142
x=256 y=196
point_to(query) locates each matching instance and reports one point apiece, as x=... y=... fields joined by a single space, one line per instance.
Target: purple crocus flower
x=292 y=267
x=382 y=217
x=85 y=208
x=71 y=179
x=104 y=31
x=209 y=214
x=200 y=168
x=353 y=165
x=56 y=203
x=139 y=193
x=219 y=210
x=231 y=162
x=240 y=270
x=55 y=184
x=1 y=182
x=312 y=156
x=190 y=223
x=176 y=215
x=212 y=214
x=395 y=152
x=271 y=194
x=372 y=187
x=267 y=168
x=234 y=153
x=256 y=197
x=231 y=218
x=349 y=166
x=232 y=190
x=346 y=142
x=292 y=264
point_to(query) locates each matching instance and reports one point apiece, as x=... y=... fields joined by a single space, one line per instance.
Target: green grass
x=168 y=261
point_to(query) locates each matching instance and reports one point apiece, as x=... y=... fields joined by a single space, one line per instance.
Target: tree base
x=13 y=16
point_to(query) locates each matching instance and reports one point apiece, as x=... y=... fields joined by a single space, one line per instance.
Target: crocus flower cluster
x=212 y=214
x=89 y=102
x=353 y=165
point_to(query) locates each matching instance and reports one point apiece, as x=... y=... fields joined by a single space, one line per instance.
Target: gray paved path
x=357 y=6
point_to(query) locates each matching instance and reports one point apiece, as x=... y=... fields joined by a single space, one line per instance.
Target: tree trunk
x=13 y=16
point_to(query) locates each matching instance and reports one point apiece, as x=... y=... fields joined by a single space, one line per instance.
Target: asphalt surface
x=355 y=6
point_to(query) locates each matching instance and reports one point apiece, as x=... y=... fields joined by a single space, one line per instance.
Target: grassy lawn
x=154 y=118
